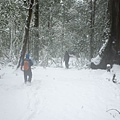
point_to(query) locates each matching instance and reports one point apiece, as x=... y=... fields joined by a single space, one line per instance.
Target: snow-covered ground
x=60 y=94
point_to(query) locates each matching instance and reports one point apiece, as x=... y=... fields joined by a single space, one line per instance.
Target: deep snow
x=60 y=94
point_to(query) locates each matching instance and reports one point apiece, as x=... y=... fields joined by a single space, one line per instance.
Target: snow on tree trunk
x=110 y=53
x=11 y=26
x=36 y=25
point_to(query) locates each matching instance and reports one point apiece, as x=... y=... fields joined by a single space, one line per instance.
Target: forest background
x=46 y=29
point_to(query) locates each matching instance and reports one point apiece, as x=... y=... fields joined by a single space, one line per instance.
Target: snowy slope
x=60 y=94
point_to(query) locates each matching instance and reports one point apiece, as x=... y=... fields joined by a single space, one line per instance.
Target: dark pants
x=66 y=64
x=27 y=75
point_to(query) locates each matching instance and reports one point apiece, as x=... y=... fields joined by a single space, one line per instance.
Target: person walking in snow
x=66 y=59
x=26 y=67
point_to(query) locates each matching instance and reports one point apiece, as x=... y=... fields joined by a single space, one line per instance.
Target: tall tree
x=110 y=53
x=36 y=25
x=92 y=21
x=26 y=32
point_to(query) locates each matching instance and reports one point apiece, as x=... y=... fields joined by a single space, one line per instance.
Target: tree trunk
x=26 y=32
x=92 y=21
x=110 y=55
x=36 y=24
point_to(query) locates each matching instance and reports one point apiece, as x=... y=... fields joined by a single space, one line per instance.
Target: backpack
x=26 y=64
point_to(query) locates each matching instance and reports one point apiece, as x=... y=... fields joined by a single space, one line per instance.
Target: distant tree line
x=47 y=29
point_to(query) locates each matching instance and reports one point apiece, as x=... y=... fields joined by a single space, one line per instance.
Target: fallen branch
x=113 y=109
